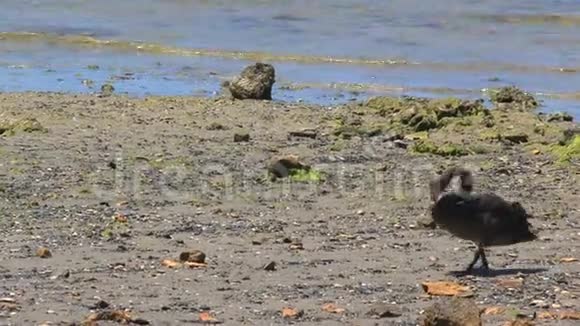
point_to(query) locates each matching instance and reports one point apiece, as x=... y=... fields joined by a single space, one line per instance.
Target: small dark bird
x=486 y=219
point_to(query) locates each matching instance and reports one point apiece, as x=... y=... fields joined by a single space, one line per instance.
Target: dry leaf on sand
x=446 y=288
x=171 y=263
x=568 y=260
x=291 y=313
x=332 y=308
x=493 y=310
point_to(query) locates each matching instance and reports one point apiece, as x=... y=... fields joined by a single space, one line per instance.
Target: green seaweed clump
x=421 y=114
x=568 y=152
x=513 y=95
x=10 y=128
x=425 y=147
x=306 y=175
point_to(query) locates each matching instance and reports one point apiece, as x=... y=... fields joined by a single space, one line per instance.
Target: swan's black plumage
x=486 y=219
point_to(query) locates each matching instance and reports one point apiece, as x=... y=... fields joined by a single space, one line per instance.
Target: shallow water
x=324 y=51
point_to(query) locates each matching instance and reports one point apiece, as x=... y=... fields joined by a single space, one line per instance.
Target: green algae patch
x=456 y=127
x=427 y=147
x=513 y=95
x=306 y=175
x=11 y=128
x=568 y=152
x=420 y=114
x=345 y=128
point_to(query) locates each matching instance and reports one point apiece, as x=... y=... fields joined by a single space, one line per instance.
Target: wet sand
x=114 y=185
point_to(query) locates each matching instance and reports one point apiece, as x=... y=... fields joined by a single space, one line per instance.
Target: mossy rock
x=386 y=105
x=10 y=128
x=513 y=95
x=422 y=121
x=421 y=114
x=559 y=117
x=454 y=107
x=490 y=135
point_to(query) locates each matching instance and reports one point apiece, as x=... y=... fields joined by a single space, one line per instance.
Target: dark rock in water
x=559 y=117
x=107 y=89
x=514 y=95
x=453 y=312
x=255 y=82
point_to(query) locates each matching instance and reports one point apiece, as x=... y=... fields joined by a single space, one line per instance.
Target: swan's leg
x=483 y=258
x=475 y=259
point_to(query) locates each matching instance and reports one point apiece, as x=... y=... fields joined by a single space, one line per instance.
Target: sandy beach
x=112 y=186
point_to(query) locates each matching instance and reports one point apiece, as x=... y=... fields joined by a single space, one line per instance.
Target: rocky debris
x=453 y=312
x=427 y=223
x=281 y=167
x=43 y=252
x=559 y=117
x=193 y=256
x=516 y=138
x=241 y=136
x=99 y=305
x=216 y=126
x=254 y=82
x=520 y=321
x=303 y=133
x=392 y=136
x=384 y=310
x=271 y=266
x=513 y=95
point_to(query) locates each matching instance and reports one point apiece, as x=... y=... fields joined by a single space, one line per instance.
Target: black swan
x=486 y=219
